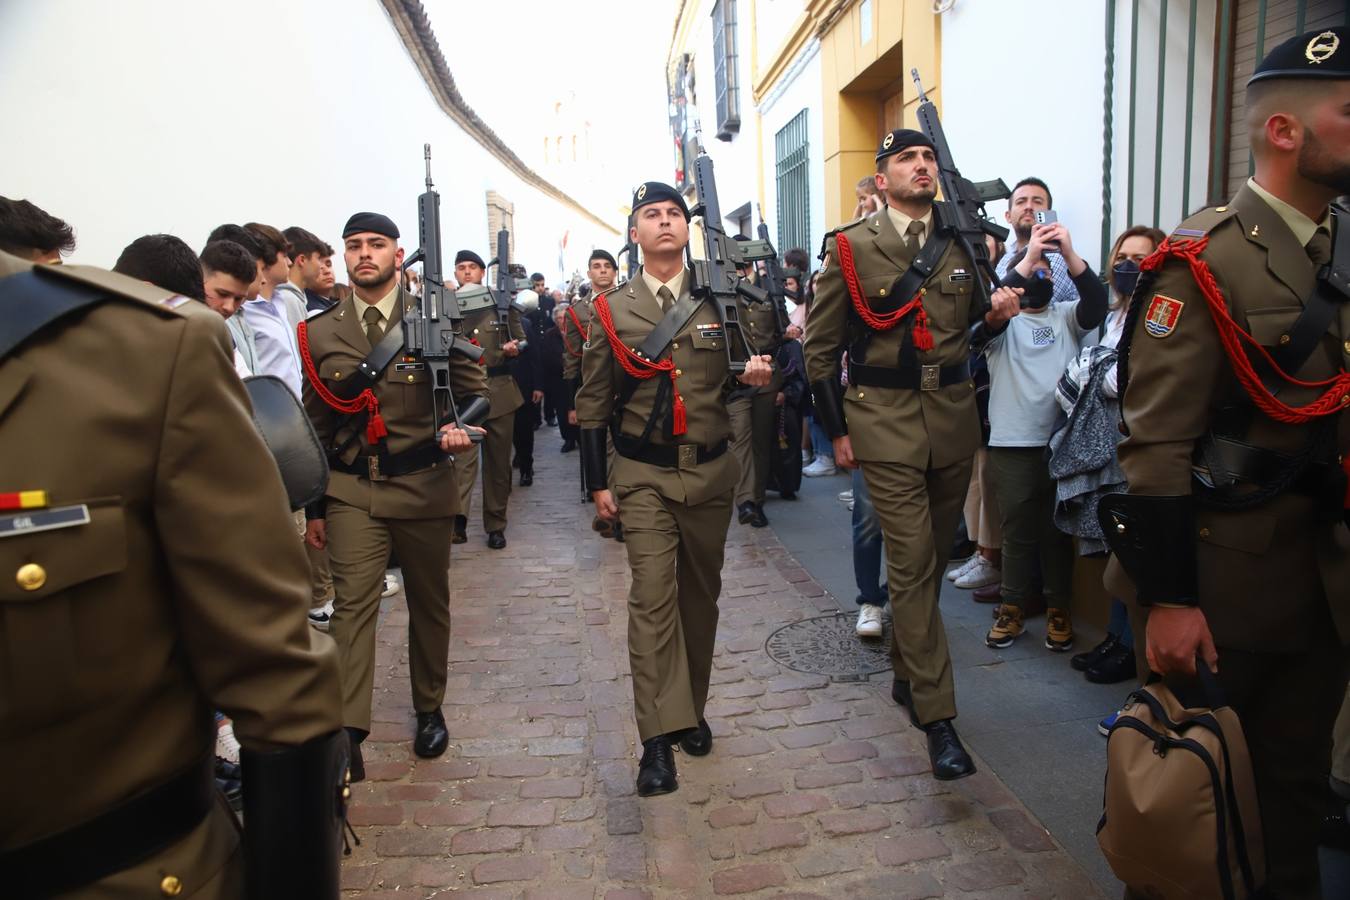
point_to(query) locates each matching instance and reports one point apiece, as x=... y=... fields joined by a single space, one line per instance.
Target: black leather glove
x=1154 y=540
x=594 y=459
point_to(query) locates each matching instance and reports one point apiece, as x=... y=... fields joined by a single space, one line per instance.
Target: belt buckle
x=373 y=469
x=929 y=378
x=688 y=456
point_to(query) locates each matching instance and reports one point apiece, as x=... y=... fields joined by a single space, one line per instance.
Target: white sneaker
x=964 y=568
x=807 y=457
x=846 y=496
x=320 y=617
x=227 y=746
x=390 y=585
x=869 y=621
x=822 y=466
x=981 y=574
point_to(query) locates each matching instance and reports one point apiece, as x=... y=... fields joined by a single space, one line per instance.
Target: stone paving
x=814 y=788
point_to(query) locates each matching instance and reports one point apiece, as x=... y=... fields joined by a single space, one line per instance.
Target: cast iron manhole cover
x=827 y=645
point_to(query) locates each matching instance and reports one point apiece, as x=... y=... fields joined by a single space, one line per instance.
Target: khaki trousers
x=495 y=451
x=918 y=510
x=753 y=434
x=983 y=519
x=320 y=578
x=675 y=552
x=358 y=548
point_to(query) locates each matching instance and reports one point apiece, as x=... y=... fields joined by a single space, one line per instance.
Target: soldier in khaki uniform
x=397 y=493
x=482 y=327
x=603 y=271
x=908 y=416
x=671 y=481
x=151 y=576
x=754 y=419
x=1233 y=532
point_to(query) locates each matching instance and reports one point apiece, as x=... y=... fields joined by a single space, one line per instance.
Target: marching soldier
x=908 y=416
x=603 y=271
x=1233 y=369
x=394 y=492
x=120 y=615
x=481 y=326
x=672 y=479
x=754 y=417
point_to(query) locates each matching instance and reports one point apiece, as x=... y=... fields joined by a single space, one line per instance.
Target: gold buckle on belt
x=688 y=456
x=373 y=469
x=929 y=378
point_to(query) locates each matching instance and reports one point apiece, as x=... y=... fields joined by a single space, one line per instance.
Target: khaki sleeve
x=1173 y=381
x=827 y=322
x=320 y=416
x=467 y=378
x=572 y=340
x=240 y=579
x=595 y=399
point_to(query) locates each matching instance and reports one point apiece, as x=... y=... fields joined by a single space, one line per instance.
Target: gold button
x=1284 y=339
x=883 y=292
x=337 y=374
x=676 y=346
x=410 y=379
x=679 y=372
x=346 y=793
x=1347 y=346
x=1221 y=209
x=171 y=886
x=1345 y=398
x=31 y=576
x=1120 y=528
x=861 y=395
x=1204 y=532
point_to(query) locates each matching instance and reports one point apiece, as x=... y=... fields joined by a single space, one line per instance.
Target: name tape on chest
x=37 y=520
x=1160 y=319
x=711 y=331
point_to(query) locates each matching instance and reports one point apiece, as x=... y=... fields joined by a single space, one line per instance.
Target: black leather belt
x=116 y=840
x=495 y=371
x=918 y=378
x=378 y=468
x=1260 y=466
x=678 y=456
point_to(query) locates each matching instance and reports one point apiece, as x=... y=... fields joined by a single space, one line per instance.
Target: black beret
x=605 y=255
x=469 y=256
x=537 y=276
x=653 y=191
x=902 y=139
x=369 y=221
x=1316 y=54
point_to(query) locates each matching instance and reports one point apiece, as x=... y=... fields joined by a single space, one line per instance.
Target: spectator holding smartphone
x=1029 y=196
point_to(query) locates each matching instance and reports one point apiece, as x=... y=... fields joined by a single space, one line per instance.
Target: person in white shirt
x=278 y=309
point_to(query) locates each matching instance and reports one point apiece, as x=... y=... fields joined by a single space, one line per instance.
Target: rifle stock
x=506 y=287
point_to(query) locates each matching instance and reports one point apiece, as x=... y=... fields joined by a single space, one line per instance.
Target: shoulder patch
x=1203 y=222
x=1160 y=318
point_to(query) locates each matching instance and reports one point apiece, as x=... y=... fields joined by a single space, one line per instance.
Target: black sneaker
x=1089 y=658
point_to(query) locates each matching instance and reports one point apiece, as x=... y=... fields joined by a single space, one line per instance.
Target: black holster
x=295 y=806
x=594 y=459
x=1154 y=540
x=829 y=407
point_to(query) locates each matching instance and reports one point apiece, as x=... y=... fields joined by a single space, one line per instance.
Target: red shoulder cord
x=366 y=400
x=923 y=338
x=580 y=330
x=638 y=367
x=1336 y=397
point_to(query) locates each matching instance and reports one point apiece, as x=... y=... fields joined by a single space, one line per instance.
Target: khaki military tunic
x=915 y=447
x=1274 y=581
x=367 y=518
x=574 y=339
x=185 y=592
x=495 y=449
x=753 y=411
x=675 y=519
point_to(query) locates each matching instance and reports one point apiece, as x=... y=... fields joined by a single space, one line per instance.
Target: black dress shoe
x=656 y=770
x=699 y=741
x=527 y=477
x=950 y=760
x=568 y=446
x=357 y=765
x=496 y=540
x=1086 y=660
x=758 y=519
x=432 y=735
x=900 y=694
x=460 y=534
x=745 y=513
x=1114 y=667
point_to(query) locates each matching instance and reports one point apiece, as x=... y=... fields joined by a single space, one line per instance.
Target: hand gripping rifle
x=775 y=283
x=432 y=333
x=714 y=277
x=965 y=198
x=505 y=291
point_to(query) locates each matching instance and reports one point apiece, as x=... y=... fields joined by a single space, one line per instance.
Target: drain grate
x=827 y=645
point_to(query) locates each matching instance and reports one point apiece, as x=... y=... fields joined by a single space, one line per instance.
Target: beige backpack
x=1180 y=816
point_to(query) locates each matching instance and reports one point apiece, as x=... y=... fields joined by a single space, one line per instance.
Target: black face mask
x=1124 y=277
x=1039 y=289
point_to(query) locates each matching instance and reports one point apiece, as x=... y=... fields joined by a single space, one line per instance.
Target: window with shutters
x=724 y=69
x=794 y=198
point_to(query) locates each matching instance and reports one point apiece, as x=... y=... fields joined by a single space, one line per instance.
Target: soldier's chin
x=372 y=280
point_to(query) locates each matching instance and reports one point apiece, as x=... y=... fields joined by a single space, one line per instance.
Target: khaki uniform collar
x=901 y=221
x=1302 y=227
x=385 y=306
x=675 y=284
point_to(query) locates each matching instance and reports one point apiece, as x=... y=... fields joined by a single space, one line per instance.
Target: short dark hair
x=164 y=261
x=537 y=276
x=230 y=258
x=797 y=258
x=25 y=227
x=238 y=235
x=1034 y=182
x=305 y=243
x=271 y=241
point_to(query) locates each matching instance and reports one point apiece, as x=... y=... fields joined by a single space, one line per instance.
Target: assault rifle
x=630 y=250
x=432 y=332
x=714 y=277
x=965 y=198
x=505 y=291
x=775 y=283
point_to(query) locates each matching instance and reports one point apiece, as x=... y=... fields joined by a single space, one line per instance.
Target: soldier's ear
x=398 y=257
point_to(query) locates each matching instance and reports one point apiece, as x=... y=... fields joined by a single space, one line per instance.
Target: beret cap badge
x=1322 y=47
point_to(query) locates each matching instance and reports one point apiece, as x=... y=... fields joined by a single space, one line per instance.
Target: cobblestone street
x=814 y=788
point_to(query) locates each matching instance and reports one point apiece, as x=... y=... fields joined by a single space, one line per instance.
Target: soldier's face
x=909 y=176
x=224 y=293
x=660 y=228
x=602 y=274
x=1324 y=157
x=469 y=273
x=372 y=259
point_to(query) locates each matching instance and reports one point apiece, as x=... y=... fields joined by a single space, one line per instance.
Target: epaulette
x=831 y=233
x=1202 y=223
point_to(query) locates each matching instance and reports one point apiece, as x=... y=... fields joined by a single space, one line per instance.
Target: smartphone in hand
x=1048 y=217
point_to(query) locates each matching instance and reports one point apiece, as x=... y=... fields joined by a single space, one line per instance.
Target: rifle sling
x=366 y=375
x=923 y=266
x=652 y=348
x=1320 y=308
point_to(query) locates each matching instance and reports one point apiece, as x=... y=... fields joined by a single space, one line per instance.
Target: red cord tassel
x=923 y=338
x=375 y=429
x=680 y=423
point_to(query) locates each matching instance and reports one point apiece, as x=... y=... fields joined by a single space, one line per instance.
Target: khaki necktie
x=1319 y=247
x=666 y=298
x=914 y=233
x=373 y=330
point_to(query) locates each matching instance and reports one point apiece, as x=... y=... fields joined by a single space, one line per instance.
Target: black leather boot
x=656 y=770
